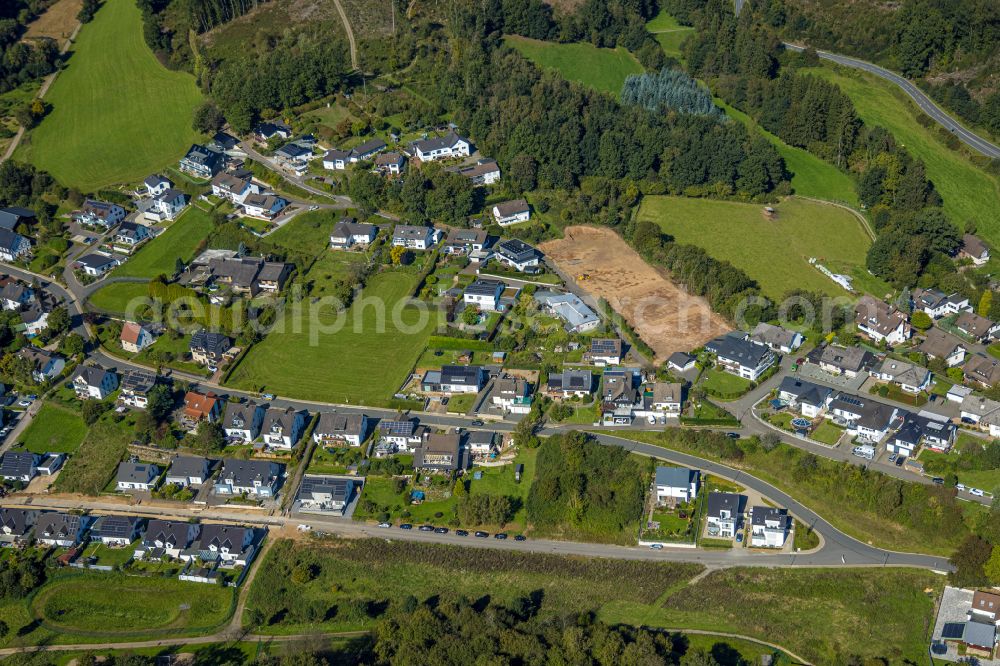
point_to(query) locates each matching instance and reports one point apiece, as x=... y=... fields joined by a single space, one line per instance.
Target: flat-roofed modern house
x=576 y=315
x=454 y=379
x=325 y=494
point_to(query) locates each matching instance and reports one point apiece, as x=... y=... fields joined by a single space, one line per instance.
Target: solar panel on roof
x=953 y=630
x=850 y=401
x=601 y=346
x=397 y=427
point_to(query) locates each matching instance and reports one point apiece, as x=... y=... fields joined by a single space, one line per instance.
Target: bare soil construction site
x=604 y=266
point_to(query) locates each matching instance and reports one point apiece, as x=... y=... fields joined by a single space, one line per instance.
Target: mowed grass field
x=364 y=361
x=968 y=191
x=117 y=114
x=55 y=429
x=669 y=33
x=601 y=69
x=179 y=241
x=115 y=297
x=774 y=252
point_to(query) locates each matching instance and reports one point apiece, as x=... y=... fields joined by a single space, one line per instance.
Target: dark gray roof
x=189 y=466
x=348 y=227
x=482 y=437
x=223 y=536
x=203 y=155
x=10 y=240
x=571 y=380
x=245 y=472
x=116 y=527
x=331 y=423
x=675 y=477
x=239 y=415
x=11 y=216
x=853 y=359
x=57 y=525
x=167 y=531
x=680 y=359
x=338 y=489
x=16 y=521
x=513 y=207
x=719 y=501
x=154 y=180
x=461 y=374
x=18 y=463
x=132 y=472
x=214 y=344
x=485 y=287
x=516 y=250
x=449 y=140
x=916 y=427
x=760 y=514
x=280 y=418
x=803 y=391
x=748 y=353
x=91 y=375
x=871 y=414
x=368 y=147
x=95 y=261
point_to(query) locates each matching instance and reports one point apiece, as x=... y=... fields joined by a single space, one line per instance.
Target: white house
x=484 y=294
x=334 y=429
x=868 y=419
x=242 y=421
x=235 y=186
x=324 y=494
x=723 y=514
x=938 y=344
x=777 y=338
x=156 y=184
x=116 y=531
x=257 y=478
x=811 y=399
x=166 y=206
x=606 y=351
x=131 y=235
x=93 y=383
x=768 y=527
x=937 y=304
x=881 y=322
x=909 y=377
x=19 y=466
x=13 y=245
x=404 y=436
x=454 y=379
x=511 y=394
x=230 y=545
x=136 y=337
x=60 y=529
x=511 y=212
x=167 y=538
x=336 y=160
x=188 y=471
x=263 y=206
x=100 y=214
x=935 y=434
x=741 y=356
x=136 y=476
x=282 y=428
x=347 y=233
x=96 y=265
x=518 y=255
x=414 y=237
x=438 y=148
x=570 y=383
x=676 y=484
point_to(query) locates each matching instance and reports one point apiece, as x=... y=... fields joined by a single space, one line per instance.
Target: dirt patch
x=665 y=317
x=58 y=21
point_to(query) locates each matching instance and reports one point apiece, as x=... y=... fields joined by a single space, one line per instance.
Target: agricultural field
x=55 y=429
x=774 y=252
x=88 y=143
x=179 y=241
x=969 y=192
x=600 y=69
x=57 y=22
x=323 y=357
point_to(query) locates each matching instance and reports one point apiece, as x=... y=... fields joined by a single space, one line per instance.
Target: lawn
x=116 y=297
x=776 y=252
x=805 y=538
x=90 y=608
x=334 y=461
x=827 y=433
x=944 y=464
x=97 y=459
x=331 y=267
x=117 y=113
x=969 y=193
x=180 y=241
x=725 y=384
x=316 y=360
x=55 y=429
x=601 y=69
x=307 y=233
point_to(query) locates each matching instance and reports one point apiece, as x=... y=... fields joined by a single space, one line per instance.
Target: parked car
x=733 y=435
x=960 y=486
x=976 y=491
x=267 y=396
x=461 y=533
x=520 y=537
x=24 y=403
x=482 y=535
x=892 y=457
x=440 y=530
x=656 y=546
x=385 y=525
x=739 y=538
x=900 y=460
x=406 y=526
x=500 y=535
x=938 y=480
x=478 y=422
x=426 y=528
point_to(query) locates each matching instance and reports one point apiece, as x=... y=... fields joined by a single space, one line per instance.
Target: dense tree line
x=20 y=60
x=670 y=89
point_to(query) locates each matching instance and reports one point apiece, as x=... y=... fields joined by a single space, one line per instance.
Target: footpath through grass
x=775 y=252
x=969 y=193
x=117 y=113
x=601 y=69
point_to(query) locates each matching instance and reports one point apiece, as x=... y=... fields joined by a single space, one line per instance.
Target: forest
x=22 y=61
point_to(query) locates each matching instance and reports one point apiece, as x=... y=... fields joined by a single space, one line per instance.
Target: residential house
x=45 y=365
x=51 y=463
x=325 y=494
x=937 y=304
x=811 y=399
x=676 y=485
x=135 y=337
x=518 y=255
x=242 y=421
x=294 y=156
x=737 y=354
x=481 y=443
x=975 y=249
x=263 y=206
x=390 y=164
x=13 y=245
x=511 y=212
x=983 y=412
x=620 y=397
x=201 y=161
x=577 y=317
x=470 y=242
x=116 y=531
x=234 y=186
x=347 y=233
x=334 y=429
x=907 y=376
x=842 y=361
x=258 y=478
x=156 y=184
x=570 y=383
x=681 y=362
x=227 y=545
x=188 y=471
x=14 y=296
x=664 y=398
x=402 y=436
x=12 y=217
x=268 y=130
x=166 y=538
x=19 y=466
x=100 y=214
x=136 y=476
x=723 y=514
x=881 y=322
x=208 y=348
x=227 y=143
x=336 y=160
x=511 y=394
x=777 y=338
x=242 y=275
x=165 y=206
x=439 y=148
x=938 y=344
x=484 y=294
x=135 y=387
x=606 y=351
x=60 y=529
x=95 y=264
x=200 y=407
x=978 y=328
x=414 y=237
x=870 y=420
x=484 y=172
x=986 y=606
x=34 y=320
x=131 y=235
x=440 y=453
x=982 y=369
x=367 y=150
x=454 y=379
x=93 y=383
x=16 y=526
x=935 y=434
x=769 y=526
x=282 y=428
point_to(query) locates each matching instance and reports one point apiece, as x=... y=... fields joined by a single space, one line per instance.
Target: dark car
x=482 y=535
x=499 y=535
x=426 y=528
x=733 y=435
x=461 y=533
x=406 y=526
x=900 y=460
x=440 y=530
x=520 y=537
x=938 y=480
x=478 y=422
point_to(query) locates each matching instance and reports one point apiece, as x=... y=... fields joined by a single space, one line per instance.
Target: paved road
x=340 y=200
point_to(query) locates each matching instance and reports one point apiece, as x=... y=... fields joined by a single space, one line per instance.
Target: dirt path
x=666 y=317
x=350 y=33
